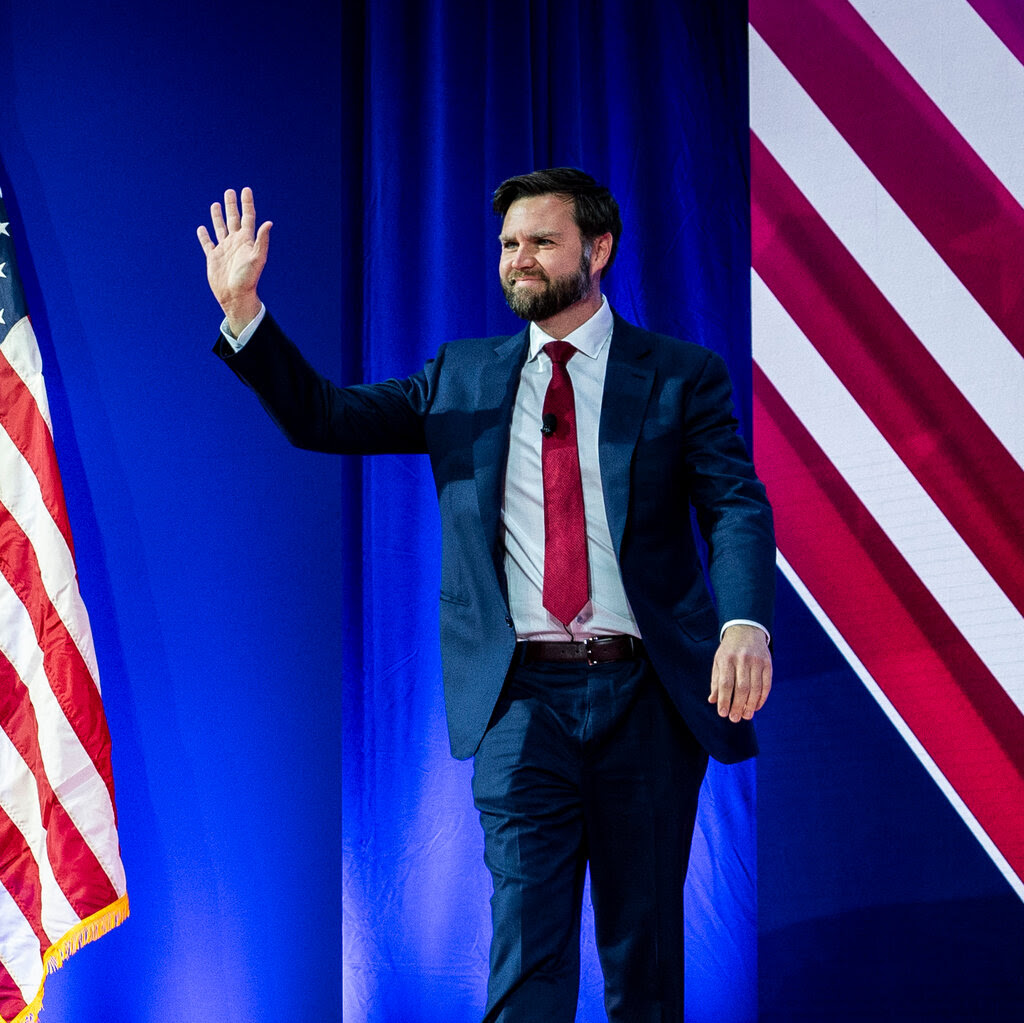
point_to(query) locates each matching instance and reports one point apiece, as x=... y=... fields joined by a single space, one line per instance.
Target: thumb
x=263 y=238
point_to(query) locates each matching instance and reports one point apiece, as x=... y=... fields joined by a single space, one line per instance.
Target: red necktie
x=565 y=530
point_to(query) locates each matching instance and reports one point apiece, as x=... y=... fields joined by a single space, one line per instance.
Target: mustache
x=523 y=275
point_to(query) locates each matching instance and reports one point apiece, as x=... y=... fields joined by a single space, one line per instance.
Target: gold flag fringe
x=89 y=929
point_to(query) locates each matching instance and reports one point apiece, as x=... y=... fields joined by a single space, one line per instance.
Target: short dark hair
x=594 y=208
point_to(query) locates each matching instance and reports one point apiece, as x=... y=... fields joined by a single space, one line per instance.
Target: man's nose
x=523 y=257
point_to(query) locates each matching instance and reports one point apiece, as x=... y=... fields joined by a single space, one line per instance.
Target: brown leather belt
x=595 y=650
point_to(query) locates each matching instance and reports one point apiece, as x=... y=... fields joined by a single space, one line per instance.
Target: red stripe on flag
x=931 y=675
x=80 y=875
x=93 y=904
x=66 y=670
x=937 y=433
x=960 y=206
x=21 y=418
x=77 y=870
x=19 y=874
x=1006 y=19
x=11 y=1000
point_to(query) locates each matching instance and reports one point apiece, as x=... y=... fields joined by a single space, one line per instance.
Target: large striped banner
x=887 y=183
x=61 y=879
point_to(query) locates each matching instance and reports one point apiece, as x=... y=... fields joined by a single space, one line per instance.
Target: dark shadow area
x=876 y=902
x=900 y=963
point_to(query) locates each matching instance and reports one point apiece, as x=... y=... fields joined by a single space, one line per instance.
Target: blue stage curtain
x=650 y=98
x=209 y=550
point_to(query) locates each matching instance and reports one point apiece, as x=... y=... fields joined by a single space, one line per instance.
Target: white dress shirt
x=607 y=612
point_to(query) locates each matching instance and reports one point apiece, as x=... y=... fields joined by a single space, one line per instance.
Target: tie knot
x=559 y=351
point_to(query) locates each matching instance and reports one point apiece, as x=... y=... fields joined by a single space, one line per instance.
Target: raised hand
x=234 y=263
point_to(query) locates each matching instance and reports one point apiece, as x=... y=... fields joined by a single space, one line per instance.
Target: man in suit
x=587 y=670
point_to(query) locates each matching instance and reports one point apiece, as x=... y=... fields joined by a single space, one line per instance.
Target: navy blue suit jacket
x=667 y=440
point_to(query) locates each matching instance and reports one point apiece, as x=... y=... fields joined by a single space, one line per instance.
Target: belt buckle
x=588 y=649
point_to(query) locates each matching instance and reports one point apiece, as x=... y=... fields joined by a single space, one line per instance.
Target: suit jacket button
x=509 y=622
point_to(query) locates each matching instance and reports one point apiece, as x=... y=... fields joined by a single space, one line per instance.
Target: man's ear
x=600 y=252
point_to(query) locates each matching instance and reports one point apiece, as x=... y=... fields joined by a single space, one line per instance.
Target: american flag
x=887 y=184
x=61 y=879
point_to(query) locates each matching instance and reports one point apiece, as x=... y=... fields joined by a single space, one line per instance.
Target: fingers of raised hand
x=231 y=210
x=227 y=220
x=248 y=209
x=263 y=238
x=217 y=217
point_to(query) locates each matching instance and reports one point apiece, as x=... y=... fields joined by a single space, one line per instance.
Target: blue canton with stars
x=12 y=297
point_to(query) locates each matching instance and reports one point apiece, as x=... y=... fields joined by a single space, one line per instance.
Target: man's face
x=544 y=266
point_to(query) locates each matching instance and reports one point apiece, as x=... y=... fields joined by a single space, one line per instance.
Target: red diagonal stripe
x=943 y=441
x=20 y=417
x=1006 y=19
x=80 y=875
x=11 y=1000
x=932 y=676
x=65 y=668
x=957 y=203
x=19 y=874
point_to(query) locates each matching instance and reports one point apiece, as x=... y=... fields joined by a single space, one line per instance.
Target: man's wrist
x=744 y=621
x=241 y=312
x=238 y=341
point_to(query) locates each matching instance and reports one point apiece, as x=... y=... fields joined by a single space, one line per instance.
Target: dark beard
x=559 y=293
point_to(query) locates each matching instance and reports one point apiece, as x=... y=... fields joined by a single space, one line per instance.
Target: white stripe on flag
x=20 y=799
x=19 y=950
x=69 y=769
x=967 y=71
x=73 y=819
x=934 y=550
x=919 y=285
x=20 y=493
x=22 y=352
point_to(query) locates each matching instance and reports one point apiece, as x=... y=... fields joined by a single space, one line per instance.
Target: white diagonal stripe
x=19 y=950
x=967 y=71
x=69 y=769
x=922 y=289
x=902 y=508
x=22 y=352
x=19 y=797
x=20 y=493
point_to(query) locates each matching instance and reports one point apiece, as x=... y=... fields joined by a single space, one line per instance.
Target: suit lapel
x=627 y=390
x=499 y=381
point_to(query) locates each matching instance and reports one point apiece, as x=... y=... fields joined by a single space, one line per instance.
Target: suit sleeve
x=316 y=414
x=732 y=509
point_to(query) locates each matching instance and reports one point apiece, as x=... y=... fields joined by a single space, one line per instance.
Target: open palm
x=235 y=261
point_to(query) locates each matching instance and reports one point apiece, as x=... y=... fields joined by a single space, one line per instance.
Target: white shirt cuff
x=743 y=621
x=238 y=343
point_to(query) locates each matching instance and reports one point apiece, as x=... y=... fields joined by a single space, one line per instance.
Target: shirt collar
x=588 y=338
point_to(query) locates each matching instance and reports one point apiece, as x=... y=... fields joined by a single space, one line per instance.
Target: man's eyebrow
x=532 y=237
